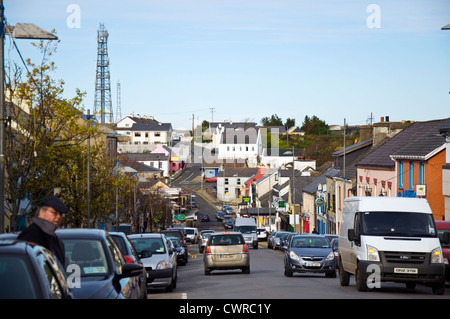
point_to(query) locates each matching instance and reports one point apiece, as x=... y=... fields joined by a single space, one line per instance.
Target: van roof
x=382 y=203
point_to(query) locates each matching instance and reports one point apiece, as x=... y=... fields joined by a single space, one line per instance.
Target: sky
x=242 y=60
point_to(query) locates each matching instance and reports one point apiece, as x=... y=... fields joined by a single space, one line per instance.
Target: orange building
x=419 y=169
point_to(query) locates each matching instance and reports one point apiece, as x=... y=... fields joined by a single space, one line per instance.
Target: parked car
x=29 y=271
x=203 y=239
x=334 y=246
x=182 y=256
x=228 y=224
x=178 y=233
x=219 y=215
x=226 y=250
x=205 y=218
x=191 y=234
x=283 y=240
x=131 y=256
x=262 y=234
x=103 y=270
x=227 y=209
x=159 y=259
x=287 y=241
x=330 y=237
x=276 y=239
x=309 y=253
x=443 y=226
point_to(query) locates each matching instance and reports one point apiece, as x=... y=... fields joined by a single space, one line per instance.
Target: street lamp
x=19 y=31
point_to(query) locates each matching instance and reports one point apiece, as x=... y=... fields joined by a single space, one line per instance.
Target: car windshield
x=120 y=242
x=155 y=245
x=227 y=239
x=190 y=231
x=176 y=242
x=89 y=255
x=398 y=224
x=15 y=278
x=310 y=242
x=246 y=229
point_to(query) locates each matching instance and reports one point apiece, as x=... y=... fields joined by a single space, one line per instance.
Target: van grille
x=404 y=257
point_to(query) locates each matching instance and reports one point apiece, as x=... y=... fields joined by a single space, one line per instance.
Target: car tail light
x=208 y=250
x=245 y=250
x=128 y=259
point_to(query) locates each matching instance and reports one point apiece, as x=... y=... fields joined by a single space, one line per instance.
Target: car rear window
x=226 y=239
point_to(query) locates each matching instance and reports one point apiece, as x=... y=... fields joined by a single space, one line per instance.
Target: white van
x=191 y=234
x=247 y=226
x=389 y=239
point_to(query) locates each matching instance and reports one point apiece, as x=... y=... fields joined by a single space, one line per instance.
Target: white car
x=262 y=234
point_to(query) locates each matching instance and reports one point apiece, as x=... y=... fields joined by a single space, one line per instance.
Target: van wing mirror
x=352 y=235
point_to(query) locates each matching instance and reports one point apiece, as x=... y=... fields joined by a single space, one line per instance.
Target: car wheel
x=207 y=271
x=287 y=271
x=246 y=270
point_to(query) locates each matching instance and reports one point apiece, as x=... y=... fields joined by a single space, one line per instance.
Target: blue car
x=309 y=253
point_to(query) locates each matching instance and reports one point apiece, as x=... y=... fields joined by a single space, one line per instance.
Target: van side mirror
x=352 y=236
x=446 y=238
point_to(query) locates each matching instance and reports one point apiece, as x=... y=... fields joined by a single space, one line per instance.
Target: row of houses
x=406 y=159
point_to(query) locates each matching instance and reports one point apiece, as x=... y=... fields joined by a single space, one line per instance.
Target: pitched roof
x=311 y=188
x=381 y=156
x=424 y=145
x=139 y=157
x=238 y=172
x=157 y=126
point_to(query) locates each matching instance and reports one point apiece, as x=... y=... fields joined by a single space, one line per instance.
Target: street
x=266 y=279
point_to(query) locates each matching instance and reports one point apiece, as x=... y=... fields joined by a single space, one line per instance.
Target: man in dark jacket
x=42 y=231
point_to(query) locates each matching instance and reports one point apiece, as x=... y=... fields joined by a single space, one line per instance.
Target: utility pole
x=212 y=113
x=345 y=131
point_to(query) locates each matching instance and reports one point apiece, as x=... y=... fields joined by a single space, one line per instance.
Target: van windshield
x=398 y=224
x=246 y=229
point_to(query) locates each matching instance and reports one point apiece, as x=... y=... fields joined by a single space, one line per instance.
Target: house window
x=157 y=134
x=400 y=174
x=226 y=190
x=226 y=181
x=246 y=148
x=228 y=148
x=137 y=134
x=146 y=134
x=421 y=173
x=239 y=181
x=411 y=175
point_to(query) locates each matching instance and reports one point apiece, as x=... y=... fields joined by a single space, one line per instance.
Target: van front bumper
x=404 y=272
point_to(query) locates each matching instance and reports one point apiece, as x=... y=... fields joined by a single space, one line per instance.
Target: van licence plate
x=406 y=270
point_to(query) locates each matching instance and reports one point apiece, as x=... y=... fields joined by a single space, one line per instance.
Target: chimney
x=382 y=119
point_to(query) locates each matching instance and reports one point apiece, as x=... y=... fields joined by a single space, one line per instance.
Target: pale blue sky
x=249 y=59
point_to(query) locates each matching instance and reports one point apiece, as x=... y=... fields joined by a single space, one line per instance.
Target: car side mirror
x=131 y=270
x=446 y=238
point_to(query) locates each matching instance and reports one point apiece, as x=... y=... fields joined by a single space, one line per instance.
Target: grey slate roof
x=425 y=143
x=381 y=156
x=311 y=188
x=151 y=127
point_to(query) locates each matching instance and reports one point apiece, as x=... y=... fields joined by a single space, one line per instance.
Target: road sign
x=179 y=217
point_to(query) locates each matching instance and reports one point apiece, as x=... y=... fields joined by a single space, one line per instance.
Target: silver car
x=159 y=258
x=203 y=239
x=226 y=250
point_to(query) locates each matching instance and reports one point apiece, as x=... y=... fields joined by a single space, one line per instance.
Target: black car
x=182 y=256
x=104 y=274
x=29 y=271
x=131 y=256
x=205 y=218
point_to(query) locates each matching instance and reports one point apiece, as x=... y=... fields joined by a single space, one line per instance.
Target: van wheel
x=438 y=289
x=361 y=281
x=344 y=277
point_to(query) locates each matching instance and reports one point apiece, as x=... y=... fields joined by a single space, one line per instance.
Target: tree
x=289 y=123
x=45 y=141
x=274 y=120
x=315 y=126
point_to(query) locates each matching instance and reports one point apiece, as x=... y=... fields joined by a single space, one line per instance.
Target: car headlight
x=436 y=256
x=372 y=254
x=330 y=256
x=293 y=255
x=162 y=265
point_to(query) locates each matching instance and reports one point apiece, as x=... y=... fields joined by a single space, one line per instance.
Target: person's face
x=51 y=215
